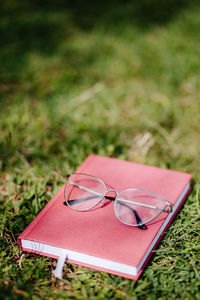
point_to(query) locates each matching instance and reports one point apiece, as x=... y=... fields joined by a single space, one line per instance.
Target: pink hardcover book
x=96 y=238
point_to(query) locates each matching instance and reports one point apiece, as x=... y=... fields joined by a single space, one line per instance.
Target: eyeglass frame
x=115 y=199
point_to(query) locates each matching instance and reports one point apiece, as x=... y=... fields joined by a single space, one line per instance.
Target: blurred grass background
x=121 y=79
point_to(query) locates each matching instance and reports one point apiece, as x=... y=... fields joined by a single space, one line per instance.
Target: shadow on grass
x=40 y=26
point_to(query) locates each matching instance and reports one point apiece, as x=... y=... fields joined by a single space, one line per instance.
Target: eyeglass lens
x=147 y=206
x=84 y=192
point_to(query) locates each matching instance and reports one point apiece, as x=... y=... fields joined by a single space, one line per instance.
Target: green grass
x=117 y=79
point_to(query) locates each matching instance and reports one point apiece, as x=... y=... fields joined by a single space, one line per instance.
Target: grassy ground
x=117 y=79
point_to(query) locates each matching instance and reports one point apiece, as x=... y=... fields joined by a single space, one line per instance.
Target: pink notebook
x=96 y=238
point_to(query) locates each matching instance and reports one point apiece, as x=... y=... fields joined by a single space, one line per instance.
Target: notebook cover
x=98 y=232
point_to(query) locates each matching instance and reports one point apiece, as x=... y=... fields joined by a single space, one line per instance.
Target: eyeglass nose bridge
x=108 y=197
x=112 y=190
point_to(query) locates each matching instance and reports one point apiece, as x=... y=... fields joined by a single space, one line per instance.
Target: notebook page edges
x=41 y=248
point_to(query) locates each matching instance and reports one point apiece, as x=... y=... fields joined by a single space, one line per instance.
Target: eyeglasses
x=133 y=207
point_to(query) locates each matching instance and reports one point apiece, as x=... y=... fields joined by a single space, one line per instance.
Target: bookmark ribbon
x=60 y=264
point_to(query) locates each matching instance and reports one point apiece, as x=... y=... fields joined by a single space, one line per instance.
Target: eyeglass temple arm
x=139 y=221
